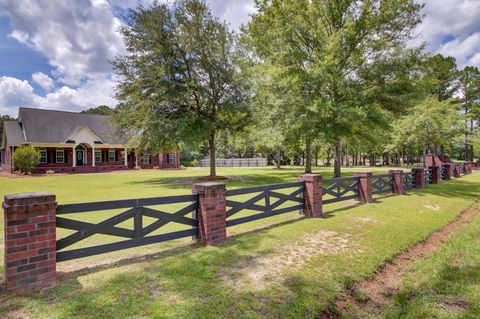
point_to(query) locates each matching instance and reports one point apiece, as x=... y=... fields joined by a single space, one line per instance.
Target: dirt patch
x=377 y=292
x=432 y=207
x=267 y=270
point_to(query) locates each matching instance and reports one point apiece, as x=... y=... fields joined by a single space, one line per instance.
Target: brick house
x=75 y=143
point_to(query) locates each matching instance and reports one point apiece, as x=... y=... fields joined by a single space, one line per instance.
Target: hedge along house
x=75 y=143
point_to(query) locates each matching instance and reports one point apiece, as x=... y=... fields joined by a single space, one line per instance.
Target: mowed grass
x=445 y=285
x=292 y=269
x=148 y=183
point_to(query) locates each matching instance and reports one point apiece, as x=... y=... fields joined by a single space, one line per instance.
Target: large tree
x=327 y=49
x=180 y=80
x=469 y=85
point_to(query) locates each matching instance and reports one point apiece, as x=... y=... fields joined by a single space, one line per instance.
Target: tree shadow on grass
x=443 y=290
x=453 y=188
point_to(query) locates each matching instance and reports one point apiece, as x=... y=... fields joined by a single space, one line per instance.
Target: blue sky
x=54 y=54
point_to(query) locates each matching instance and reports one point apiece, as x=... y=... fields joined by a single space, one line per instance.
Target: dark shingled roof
x=48 y=126
x=14 y=133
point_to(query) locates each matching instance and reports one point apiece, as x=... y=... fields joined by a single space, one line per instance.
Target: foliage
x=192 y=163
x=469 y=85
x=101 y=110
x=333 y=57
x=4 y=118
x=180 y=81
x=430 y=122
x=26 y=159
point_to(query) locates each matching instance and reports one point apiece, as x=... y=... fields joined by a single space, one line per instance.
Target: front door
x=79 y=158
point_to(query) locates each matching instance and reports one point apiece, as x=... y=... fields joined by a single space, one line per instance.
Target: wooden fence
x=32 y=248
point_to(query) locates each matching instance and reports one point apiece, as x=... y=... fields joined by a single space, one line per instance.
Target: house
x=76 y=143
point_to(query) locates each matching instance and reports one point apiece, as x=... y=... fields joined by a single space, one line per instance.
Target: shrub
x=25 y=159
x=192 y=163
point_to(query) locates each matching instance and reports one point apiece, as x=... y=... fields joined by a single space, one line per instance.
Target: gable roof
x=48 y=126
x=13 y=132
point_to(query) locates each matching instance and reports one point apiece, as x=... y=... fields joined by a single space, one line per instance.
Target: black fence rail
x=428 y=176
x=462 y=168
x=409 y=180
x=138 y=236
x=262 y=202
x=443 y=173
x=339 y=189
x=382 y=183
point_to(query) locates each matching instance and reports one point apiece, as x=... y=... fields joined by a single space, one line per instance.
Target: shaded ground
x=372 y=297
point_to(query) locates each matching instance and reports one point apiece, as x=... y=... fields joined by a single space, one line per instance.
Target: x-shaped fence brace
x=409 y=180
x=382 y=184
x=339 y=188
x=267 y=210
x=136 y=236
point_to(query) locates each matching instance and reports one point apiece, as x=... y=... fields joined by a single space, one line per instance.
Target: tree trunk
x=424 y=154
x=336 y=165
x=211 y=146
x=308 y=159
x=278 y=155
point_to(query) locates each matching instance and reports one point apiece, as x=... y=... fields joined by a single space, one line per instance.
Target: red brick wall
x=312 y=194
x=30 y=251
x=364 y=186
x=212 y=216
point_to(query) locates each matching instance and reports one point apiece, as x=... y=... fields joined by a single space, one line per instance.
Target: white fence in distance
x=235 y=162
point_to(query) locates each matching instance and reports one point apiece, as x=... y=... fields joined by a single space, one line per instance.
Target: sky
x=55 y=54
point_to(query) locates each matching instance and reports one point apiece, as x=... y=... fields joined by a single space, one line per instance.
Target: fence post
x=419 y=177
x=447 y=170
x=312 y=195
x=456 y=170
x=436 y=178
x=364 y=186
x=30 y=241
x=212 y=215
x=397 y=181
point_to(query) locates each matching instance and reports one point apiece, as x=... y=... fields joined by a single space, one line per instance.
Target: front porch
x=81 y=158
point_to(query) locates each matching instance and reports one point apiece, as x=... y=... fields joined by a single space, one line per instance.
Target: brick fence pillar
x=212 y=215
x=447 y=169
x=468 y=167
x=397 y=182
x=364 y=186
x=436 y=178
x=419 y=177
x=30 y=241
x=312 y=195
x=456 y=170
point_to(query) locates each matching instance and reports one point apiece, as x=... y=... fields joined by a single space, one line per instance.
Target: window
x=98 y=156
x=60 y=158
x=112 y=156
x=146 y=159
x=170 y=158
x=43 y=156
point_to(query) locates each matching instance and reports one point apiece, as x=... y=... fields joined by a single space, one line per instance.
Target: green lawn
x=293 y=267
x=445 y=285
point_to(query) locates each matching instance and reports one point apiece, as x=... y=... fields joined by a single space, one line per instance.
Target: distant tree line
x=305 y=81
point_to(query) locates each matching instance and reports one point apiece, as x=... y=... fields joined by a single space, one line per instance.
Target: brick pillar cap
x=209 y=184
x=361 y=174
x=395 y=171
x=27 y=195
x=310 y=174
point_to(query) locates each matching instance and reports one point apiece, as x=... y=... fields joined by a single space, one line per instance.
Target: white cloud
x=452 y=27
x=44 y=81
x=15 y=93
x=78 y=37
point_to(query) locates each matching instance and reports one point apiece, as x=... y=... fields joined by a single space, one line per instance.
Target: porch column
x=74 y=155
x=93 y=156
x=126 y=157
